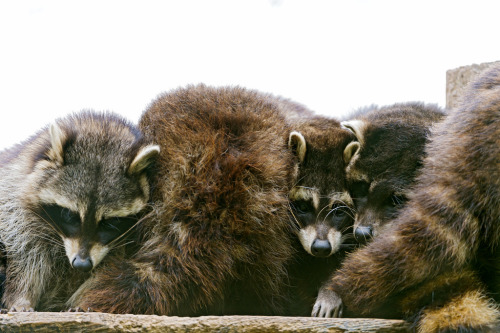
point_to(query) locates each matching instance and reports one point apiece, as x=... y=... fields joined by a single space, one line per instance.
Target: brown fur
x=381 y=171
x=320 y=206
x=448 y=228
x=380 y=168
x=220 y=237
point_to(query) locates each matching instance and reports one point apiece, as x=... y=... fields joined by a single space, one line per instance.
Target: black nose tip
x=363 y=234
x=82 y=264
x=321 y=248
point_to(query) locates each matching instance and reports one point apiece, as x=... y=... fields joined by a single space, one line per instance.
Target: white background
x=334 y=56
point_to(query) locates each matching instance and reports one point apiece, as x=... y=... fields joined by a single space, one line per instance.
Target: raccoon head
x=376 y=203
x=320 y=203
x=379 y=171
x=90 y=183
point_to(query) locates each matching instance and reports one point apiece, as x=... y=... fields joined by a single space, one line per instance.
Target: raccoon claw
x=77 y=309
x=23 y=309
x=328 y=304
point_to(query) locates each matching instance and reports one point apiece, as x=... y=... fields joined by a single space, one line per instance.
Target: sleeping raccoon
x=67 y=195
x=381 y=166
x=320 y=202
x=320 y=206
x=438 y=265
x=220 y=238
x=383 y=163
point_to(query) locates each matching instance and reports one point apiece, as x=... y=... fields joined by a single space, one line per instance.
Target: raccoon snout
x=363 y=234
x=321 y=248
x=82 y=264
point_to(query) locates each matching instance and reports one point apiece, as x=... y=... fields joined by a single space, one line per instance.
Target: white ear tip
x=152 y=148
x=296 y=138
x=350 y=151
x=57 y=137
x=143 y=158
x=347 y=126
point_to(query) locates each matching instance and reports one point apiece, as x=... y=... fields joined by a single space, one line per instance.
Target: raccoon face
x=376 y=203
x=91 y=185
x=86 y=239
x=323 y=220
x=320 y=203
x=376 y=182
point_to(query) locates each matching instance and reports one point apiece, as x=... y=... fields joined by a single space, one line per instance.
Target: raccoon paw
x=79 y=309
x=328 y=304
x=21 y=309
x=21 y=305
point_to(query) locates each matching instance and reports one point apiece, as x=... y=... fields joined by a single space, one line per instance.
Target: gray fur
x=79 y=162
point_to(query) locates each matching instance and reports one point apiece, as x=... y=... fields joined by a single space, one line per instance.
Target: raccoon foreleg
x=370 y=277
x=124 y=287
x=328 y=304
x=27 y=277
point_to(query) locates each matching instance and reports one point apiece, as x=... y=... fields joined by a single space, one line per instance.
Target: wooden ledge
x=105 y=322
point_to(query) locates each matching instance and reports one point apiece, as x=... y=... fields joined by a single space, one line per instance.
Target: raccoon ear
x=143 y=159
x=356 y=127
x=57 y=139
x=351 y=150
x=297 y=144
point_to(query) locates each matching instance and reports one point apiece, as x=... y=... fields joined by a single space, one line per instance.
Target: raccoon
x=67 y=195
x=320 y=201
x=384 y=160
x=438 y=264
x=220 y=238
x=320 y=206
x=378 y=185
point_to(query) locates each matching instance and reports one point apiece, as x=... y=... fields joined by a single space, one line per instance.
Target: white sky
x=333 y=56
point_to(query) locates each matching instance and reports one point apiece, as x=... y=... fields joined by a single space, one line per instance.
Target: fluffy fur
x=65 y=196
x=380 y=165
x=321 y=207
x=438 y=264
x=384 y=160
x=320 y=202
x=220 y=240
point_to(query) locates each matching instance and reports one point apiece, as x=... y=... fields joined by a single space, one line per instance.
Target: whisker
x=51 y=223
x=298 y=181
x=132 y=227
x=319 y=213
x=123 y=244
x=297 y=222
x=344 y=230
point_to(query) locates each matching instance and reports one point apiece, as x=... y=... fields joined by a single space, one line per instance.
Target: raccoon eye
x=111 y=228
x=302 y=206
x=62 y=218
x=339 y=210
x=70 y=217
x=109 y=225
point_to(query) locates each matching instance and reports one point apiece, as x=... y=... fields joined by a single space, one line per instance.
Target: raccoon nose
x=321 y=248
x=363 y=234
x=82 y=264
